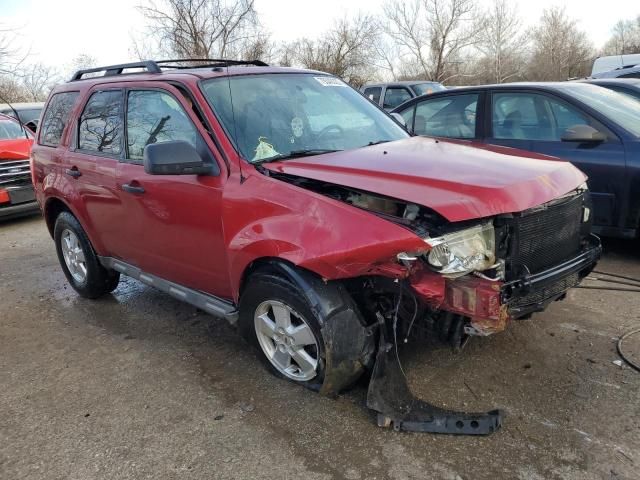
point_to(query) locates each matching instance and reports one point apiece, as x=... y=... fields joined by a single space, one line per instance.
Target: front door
x=538 y=121
x=173 y=223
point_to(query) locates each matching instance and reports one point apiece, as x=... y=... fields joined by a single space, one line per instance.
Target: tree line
x=455 y=42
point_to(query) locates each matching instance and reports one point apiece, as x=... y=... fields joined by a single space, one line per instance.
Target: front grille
x=14 y=173
x=545 y=237
x=545 y=293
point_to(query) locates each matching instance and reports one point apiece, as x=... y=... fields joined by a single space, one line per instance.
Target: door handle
x=73 y=172
x=132 y=188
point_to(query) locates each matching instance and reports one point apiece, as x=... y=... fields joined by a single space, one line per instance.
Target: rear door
x=90 y=165
x=538 y=122
x=171 y=224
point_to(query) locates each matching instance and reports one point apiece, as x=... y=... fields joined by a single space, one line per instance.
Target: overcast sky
x=56 y=31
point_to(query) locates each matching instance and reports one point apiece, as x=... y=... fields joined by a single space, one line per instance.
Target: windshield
x=621 y=109
x=427 y=88
x=10 y=130
x=285 y=115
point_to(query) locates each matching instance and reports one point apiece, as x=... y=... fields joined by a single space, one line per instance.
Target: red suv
x=16 y=192
x=285 y=201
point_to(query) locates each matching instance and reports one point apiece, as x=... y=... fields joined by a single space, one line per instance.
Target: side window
x=373 y=94
x=152 y=117
x=408 y=117
x=531 y=116
x=100 y=128
x=452 y=116
x=565 y=116
x=394 y=96
x=56 y=117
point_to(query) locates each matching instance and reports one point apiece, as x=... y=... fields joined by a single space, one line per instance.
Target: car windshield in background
x=10 y=130
x=622 y=109
x=427 y=88
x=289 y=115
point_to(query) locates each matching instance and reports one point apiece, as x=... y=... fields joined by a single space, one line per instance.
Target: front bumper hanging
x=390 y=396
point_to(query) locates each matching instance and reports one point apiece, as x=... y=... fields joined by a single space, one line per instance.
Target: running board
x=209 y=303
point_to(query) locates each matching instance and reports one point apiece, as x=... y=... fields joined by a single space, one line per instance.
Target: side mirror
x=176 y=157
x=583 y=133
x=399 y=118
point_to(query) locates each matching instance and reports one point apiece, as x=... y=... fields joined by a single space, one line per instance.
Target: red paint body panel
x=459 y=182
x=265 y=217
x=18 y=149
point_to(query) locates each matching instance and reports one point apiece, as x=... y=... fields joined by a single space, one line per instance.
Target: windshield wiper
x=376 y=143
x=309 y=152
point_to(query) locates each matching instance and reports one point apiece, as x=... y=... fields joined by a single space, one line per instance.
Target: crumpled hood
x=17 y=149
x=459 y=181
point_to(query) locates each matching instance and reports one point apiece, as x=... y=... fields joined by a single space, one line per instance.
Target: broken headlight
x=464 y=251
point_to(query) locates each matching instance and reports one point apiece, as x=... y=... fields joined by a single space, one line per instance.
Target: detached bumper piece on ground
x=397 y=407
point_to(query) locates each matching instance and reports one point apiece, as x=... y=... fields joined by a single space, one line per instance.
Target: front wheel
x=277 y=320
x=325 y=348
x=78 y=260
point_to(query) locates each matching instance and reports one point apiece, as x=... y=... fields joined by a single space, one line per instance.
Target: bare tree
x=37 y=81
x=11 y=90
x=202 y=28
x=433 y=34
x=347 y=50
x=560 y=50
x=408 y=28
x=79 y=62
x=501 y=44
x=11 y=57
x=625 y=38
x=388 y=56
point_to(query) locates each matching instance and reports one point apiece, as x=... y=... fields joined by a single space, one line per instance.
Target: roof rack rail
x=209 y=62
x=109 y=70
x=155 y=66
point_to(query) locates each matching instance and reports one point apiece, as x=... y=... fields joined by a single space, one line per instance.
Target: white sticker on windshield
x=330 y=81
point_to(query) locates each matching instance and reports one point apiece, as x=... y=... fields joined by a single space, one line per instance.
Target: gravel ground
x=138 y=385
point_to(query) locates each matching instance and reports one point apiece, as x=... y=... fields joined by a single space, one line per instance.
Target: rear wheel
x=79 y=261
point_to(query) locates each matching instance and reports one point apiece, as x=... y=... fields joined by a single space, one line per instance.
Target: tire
x=264 y=292
x=335 y=338
x=79 y=261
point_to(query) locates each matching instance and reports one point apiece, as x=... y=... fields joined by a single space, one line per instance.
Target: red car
x=285 y=201
x=16 y=191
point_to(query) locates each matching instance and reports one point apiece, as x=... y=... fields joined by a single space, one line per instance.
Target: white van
x=611 y=62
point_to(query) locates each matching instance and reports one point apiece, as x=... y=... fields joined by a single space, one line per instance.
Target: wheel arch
x=53 y=206
x=349 y=344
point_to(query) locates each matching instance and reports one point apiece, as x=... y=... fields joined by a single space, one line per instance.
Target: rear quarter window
x=56 y=117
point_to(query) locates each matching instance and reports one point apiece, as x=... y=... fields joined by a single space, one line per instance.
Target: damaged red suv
x=285 y=201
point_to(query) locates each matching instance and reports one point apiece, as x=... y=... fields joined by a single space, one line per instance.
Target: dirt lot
x=137 y=385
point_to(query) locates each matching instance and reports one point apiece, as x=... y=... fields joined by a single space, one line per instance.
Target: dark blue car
x=628 y=86
x=596 y=129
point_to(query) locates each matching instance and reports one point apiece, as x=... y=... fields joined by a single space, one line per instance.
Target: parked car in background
x=28 y=113
x=16 y=190
x=596 y=129
x=613 y=62
x=284 y=201
x=629 y=71
x=627 y=86
x=390 y=95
